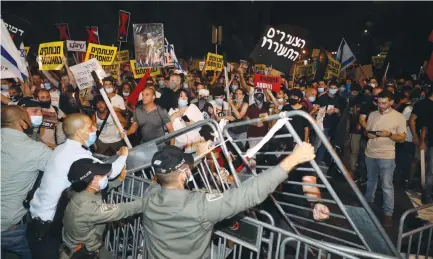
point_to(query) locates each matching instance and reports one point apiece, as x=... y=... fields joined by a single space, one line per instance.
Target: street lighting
x=303 y=51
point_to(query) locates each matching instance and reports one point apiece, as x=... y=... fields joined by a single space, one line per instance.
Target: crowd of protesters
x=389 y=125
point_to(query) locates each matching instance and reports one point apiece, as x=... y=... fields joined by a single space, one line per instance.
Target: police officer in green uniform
x=179 y=222
x=86 y=214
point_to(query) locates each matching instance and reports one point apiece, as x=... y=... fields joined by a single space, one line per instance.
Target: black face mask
x=45 y=105
x=29 y=130
x=293 y=101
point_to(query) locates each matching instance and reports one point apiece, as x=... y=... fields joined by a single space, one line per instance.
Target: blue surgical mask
x=36 y=121
x=5 y=87
x=320 y=89
x=332 y=91
x=312 y=99
x=234 y=87
x=47 y=86
x=103 y=183
x=91 y=140
x=219 y=101
x=182 y=103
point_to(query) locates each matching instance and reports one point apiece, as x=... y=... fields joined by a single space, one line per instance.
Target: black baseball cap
x=85 y=169
x=28 y=102
x=169 y=159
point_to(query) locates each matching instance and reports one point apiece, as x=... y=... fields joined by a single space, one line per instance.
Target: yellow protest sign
x=260 y=68
x=378 y=61
x=26 y=50
x=104 y=54
x=333 y=68
x=304 y=70
x=50 y=55
x=141 y=71
x=214 y=62
x=122 y=56
x=113 y=69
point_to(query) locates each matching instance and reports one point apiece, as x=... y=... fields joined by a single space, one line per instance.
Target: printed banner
x=17 y=27
x=63 y=29
x=149 y=44
x=267 y=82
x=75 y=45
x=92 y=34
x=26 y=50
x=50 y=55
x=378 y=61
x=260 y=68
x=122 y=56
x=112 y=68
x=82 y=73
x=333 y=68
x=214 y=62
x=280 y=46
x=122 y=33
x=104 y=54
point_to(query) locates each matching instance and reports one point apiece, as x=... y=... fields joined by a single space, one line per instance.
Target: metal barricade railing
x=347 y=223
x=422 y=234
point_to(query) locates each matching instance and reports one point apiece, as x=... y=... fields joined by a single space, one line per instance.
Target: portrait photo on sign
x=149 y=44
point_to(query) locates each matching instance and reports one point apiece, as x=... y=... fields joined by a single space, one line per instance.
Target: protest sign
x=214 y=62
x=113 y=69
x=50 y=55
x=149 y=44
x=243 y=64
x=362 y=72
x=122 y=33
x=201 y=65
x=82 y=73
x=122 y=56
x=104 y=54
x=304 y=70
x=75 y=45
x=378 y=61
x=17 y=27
x=63 y=29
x=267 y=82
x=260 y=68
x=26 y=50
x=280 y=46
x=92 y=34
x=138 y=72
x=333 y=68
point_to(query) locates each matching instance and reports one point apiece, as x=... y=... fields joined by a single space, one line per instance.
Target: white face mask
x=109 y=90
x=182 y=103
x=280 y=100
x=320 y=90
x=36 y=120
x=126 y=94
x=312 y=99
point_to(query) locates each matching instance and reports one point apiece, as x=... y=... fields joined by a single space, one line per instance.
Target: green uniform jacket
x=86 y=215
x=179 y=223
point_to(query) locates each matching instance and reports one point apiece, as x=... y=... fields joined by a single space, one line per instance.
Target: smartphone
x=185 y=118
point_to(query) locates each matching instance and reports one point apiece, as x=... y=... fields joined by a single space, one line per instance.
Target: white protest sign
x=82 y=73
x=201 y=65
x=75 y=45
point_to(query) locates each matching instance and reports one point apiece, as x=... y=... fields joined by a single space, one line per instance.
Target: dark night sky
x=188 y=24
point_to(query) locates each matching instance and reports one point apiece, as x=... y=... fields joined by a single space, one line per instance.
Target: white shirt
x=406 y=113
x=55 y=179
x=118 y=102
x=194 y=115
x=220 y=110
x=55 y=97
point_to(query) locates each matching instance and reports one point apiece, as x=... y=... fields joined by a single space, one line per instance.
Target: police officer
x=86 y=213
x=179 y=222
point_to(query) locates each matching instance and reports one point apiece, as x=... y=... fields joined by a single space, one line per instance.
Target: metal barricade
x=353 y=226
x=421 y=235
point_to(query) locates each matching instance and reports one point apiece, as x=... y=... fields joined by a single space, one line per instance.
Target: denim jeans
x=15 y=241
x=355 y=140
x=384 y=169
x=322 y=149
x=429 y=172
x=362 y=170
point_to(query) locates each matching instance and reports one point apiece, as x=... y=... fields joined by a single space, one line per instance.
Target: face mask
x=372 y=85
x=332 y=91
x=36 y=120
x=29 y=130
x=92 y=138
x=280 y=100
x=126 y=94
x=312 y=99
x=47 y=86
x=303 y=93
x=161 y=84
x=182 y=103
x=45 y=105
x=320 y=90
x=109 y=90
x=102 y=184
x=293 y=101
x=342 y=89
x=5 y=87
x=234 y=87
x=219 y=101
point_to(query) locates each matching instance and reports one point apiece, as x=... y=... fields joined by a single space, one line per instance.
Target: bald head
x=13 y=116
x=75 y=122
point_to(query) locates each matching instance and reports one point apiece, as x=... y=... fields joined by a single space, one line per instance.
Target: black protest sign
x=124 y=18
x=16 y=26
x=92 y=34
x=63 y=29
x=280 y=46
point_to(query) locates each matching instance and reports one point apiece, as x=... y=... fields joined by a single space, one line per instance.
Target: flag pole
x=384 y=76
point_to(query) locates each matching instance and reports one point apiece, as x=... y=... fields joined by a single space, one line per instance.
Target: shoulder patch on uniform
x=108 y=207
x=213 y=196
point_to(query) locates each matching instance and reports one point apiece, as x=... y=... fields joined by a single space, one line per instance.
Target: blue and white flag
x=172 y=54
x=12 y=64
x=345 y=55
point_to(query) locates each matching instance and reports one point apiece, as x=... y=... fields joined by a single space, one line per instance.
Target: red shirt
x=253 y=112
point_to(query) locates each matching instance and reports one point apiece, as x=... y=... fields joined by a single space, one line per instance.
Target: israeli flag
x=345 y=55
x=170 y=50
x=12 y=65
